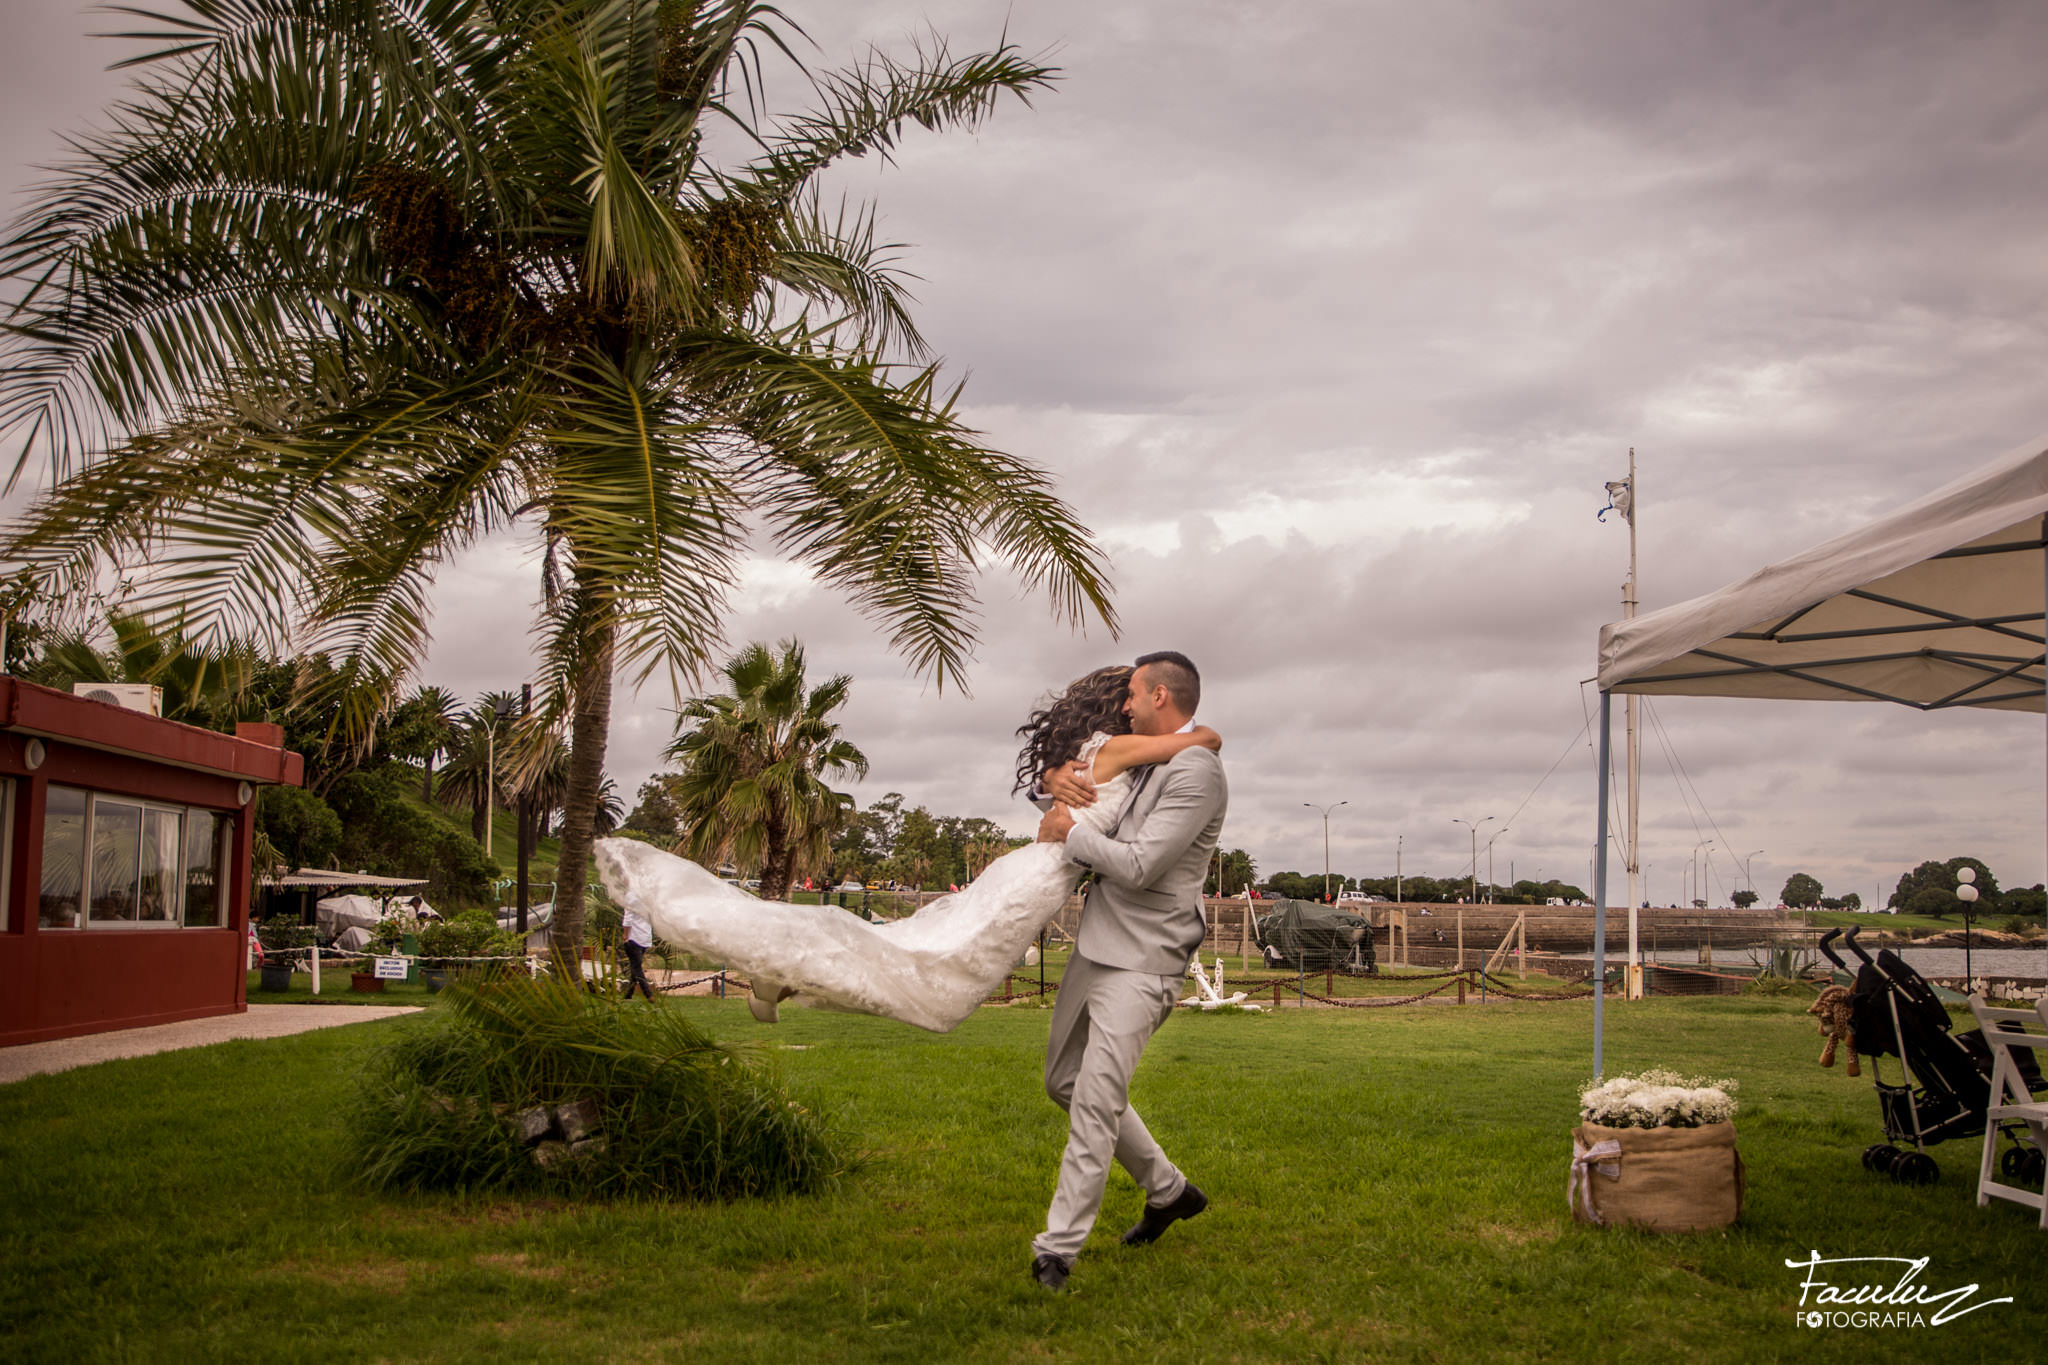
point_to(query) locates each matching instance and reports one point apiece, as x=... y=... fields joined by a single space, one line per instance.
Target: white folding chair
x=2011 y=1102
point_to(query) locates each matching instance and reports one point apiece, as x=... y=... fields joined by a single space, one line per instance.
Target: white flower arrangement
x=1658 y=1099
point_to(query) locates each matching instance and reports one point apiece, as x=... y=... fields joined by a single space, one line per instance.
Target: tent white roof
x=321 y=878
x=1937 y=605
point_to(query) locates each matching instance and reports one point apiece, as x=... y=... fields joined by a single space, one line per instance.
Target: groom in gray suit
x=1141 y=924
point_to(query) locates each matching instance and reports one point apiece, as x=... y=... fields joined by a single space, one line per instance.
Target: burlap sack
x=1659 y=1179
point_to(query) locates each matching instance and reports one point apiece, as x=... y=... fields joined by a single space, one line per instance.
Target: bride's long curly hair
x=1055 y=734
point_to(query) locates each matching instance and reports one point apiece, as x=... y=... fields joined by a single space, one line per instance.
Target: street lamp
x=1699 y=882
x=1474 y=827
x=1967 y=893
x=1489 y=863
x=500 y=709
x=1749 y=882
x=1326 y=840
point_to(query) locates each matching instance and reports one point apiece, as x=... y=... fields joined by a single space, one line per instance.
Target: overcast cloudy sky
x=1333 y=316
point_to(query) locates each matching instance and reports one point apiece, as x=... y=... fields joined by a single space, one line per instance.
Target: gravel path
x=261 y=1021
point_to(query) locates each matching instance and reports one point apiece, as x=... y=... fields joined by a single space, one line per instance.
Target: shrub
x=539 y=1083
x=283 y=933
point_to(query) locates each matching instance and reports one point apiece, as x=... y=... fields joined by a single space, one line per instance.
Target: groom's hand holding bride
x=1069 y=785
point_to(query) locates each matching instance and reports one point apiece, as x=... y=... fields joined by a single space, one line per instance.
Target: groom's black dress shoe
x=1049 y=1271
x=1157 y=1220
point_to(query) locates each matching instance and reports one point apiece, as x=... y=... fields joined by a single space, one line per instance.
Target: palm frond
x=864 y=107
x=840 y=264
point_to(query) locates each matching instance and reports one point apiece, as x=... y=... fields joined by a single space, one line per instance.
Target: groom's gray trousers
x=1101 y=1020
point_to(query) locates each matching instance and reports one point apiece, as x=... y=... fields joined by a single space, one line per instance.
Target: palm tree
x=202 y=685
x=423 y=728
x=611 y=808
x=479 y=761
x=349 y=285
x=753 y=766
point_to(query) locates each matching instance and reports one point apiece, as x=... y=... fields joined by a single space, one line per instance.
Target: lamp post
x=1474 y=827
x=1397 y=867
x=1749 y=882
x=1326 y=839
x=500 y=709
x=1489 y=863
x=1698 y=882
x=1966 y=892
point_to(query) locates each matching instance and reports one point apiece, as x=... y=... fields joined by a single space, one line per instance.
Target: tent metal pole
x=1600 y=886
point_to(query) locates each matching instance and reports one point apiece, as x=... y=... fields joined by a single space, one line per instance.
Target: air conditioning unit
x=134 y=696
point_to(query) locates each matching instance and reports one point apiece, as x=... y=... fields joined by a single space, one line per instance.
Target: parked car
x=849 y=886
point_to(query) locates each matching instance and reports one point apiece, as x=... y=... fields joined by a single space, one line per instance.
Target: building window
x=6 y=854
x=151 y=866
x=116 y=872
x=63 y=859
x=207 y=840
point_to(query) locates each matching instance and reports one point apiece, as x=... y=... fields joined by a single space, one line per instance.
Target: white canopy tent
x=1938 y=605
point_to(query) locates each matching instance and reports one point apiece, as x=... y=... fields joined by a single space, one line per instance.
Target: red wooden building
x=124 y=863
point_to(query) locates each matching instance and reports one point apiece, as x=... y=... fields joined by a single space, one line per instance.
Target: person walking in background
x=639 y=938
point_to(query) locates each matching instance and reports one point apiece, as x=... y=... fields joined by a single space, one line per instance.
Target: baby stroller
x=1945 y=1078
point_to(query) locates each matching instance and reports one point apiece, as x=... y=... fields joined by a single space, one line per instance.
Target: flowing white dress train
x=930 y=969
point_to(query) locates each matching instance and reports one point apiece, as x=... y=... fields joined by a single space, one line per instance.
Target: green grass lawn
x=1386 y=1184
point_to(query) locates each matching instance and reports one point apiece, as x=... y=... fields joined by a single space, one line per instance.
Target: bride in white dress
x=931 y=968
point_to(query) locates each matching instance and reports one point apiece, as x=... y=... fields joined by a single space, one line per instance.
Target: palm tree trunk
x=775 y=867
x=590 y=713
x=427 y=782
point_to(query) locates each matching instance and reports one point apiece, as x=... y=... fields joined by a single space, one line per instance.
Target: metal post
x=525 y=823
x=490 y=787
x=1600 y=889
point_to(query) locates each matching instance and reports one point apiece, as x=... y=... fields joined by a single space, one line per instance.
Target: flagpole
x=1629 y=600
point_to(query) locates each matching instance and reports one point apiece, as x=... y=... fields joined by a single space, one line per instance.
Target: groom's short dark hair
x=1177 y=673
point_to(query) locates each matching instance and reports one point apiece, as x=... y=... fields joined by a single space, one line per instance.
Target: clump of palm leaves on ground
x=546 y=1084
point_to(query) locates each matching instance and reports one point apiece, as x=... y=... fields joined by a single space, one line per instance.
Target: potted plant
x=281 y=937
x=1657 y=1151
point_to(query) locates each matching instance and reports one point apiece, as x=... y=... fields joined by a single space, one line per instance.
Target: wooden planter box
x=369 y=983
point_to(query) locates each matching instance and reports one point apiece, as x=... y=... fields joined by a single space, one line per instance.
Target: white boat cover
x=337 y=914
x=1937 y=605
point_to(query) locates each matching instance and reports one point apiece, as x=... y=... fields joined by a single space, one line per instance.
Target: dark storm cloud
x=1332 y=318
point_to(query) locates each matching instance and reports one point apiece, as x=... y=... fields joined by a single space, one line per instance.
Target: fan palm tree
x=753 y=765
x=202 y=685
x=349 y=285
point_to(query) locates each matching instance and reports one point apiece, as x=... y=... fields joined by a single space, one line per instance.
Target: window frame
x=8 y=786
x=224 y=839
x=223 y=823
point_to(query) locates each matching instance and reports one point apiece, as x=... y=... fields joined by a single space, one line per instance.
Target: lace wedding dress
x=930 y=969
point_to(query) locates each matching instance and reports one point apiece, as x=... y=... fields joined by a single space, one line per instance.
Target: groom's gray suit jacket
x=1144 y=912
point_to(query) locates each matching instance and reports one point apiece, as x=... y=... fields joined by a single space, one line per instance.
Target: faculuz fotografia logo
x=1878 y=1292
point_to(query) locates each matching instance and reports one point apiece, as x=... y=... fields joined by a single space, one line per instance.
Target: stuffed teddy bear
x=1832 y=1009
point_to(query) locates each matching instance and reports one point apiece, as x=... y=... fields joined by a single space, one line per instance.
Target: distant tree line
x=1929 y=889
